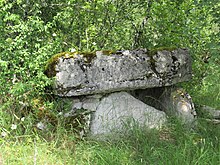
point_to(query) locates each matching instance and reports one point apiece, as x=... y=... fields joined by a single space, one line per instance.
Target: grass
x=172 y=145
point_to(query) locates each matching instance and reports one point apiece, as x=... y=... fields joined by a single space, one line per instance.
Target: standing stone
x=173 y=101
x=117 y=111
x=183 y=107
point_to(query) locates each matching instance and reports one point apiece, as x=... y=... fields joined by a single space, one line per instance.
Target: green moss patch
x=50 y=67
x=88 y=57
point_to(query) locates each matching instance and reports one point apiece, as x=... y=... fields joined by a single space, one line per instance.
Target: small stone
x=40 y=125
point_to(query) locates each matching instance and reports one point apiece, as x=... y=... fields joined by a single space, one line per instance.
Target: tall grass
x=171 y=145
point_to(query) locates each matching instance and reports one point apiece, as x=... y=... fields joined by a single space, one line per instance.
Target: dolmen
x=115 y=90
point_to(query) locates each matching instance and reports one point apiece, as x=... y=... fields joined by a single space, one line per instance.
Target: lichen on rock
x=52 y=62
x=82 y=73
x=50 y=70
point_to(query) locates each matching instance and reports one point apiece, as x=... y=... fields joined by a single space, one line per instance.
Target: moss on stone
x=50 y=66
x=108 y=52
x=88 y=57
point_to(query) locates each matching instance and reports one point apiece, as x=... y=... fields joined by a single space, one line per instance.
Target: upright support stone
x=173 y=101
x=116 y=112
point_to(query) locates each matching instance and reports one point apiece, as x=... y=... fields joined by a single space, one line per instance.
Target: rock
x=117 y=111
x=210 y=112
x=41 y=126
x=96 y=82
x=183 y=107
x=79 y=74
x=173 y=101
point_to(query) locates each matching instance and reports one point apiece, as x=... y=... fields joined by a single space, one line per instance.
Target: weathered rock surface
x=173 y=101
x=181 y=105
x=118 y=111
x=210 y=112
x=124 y=70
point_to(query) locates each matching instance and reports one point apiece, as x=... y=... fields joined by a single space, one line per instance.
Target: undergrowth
x=171 y=145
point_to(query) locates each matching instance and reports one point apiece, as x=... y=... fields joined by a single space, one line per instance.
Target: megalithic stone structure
x=92 y=73
x=113 y=88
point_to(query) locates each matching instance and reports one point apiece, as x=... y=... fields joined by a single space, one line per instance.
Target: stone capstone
x=118 y=111
x=122 y=70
